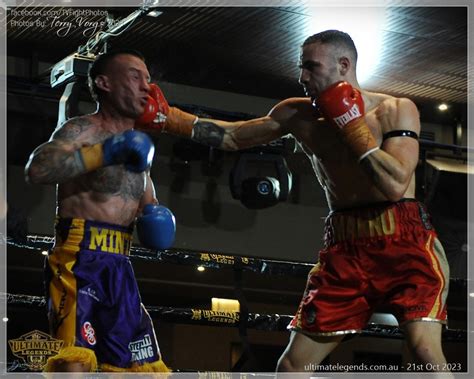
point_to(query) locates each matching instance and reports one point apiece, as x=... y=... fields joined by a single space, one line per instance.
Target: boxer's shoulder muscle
x=73 y=128
x=81 y=130
x=397 y=113
x=293 y=112
x=294 y=106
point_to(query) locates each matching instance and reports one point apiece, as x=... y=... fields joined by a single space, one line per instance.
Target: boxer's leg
x=303 y=352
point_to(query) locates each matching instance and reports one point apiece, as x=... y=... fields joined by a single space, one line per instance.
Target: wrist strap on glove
x=91 y=157
x=359 y=138
x=180 y=123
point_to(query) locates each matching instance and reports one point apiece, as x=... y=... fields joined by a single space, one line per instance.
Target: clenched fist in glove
x=159 y=116
x=156 y=228
x=343 y=107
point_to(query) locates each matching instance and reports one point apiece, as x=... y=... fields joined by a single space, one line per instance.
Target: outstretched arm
x=159 y=116
x=237 y=135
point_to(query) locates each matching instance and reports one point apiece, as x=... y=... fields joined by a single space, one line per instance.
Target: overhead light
x=44 y=252
x=442 y=107
x=368 y=40
x=201 y=268
x=154 y=13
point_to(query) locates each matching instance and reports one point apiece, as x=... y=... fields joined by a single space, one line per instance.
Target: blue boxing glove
x=132 y=148
x=156 y=228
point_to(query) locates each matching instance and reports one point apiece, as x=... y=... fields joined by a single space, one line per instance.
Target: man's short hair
x=336 y=38
x=100 y=65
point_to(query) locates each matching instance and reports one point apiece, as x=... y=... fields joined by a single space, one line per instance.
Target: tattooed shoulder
x=71 y=129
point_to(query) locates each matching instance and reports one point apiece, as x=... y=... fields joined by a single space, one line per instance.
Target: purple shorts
x=93 y=297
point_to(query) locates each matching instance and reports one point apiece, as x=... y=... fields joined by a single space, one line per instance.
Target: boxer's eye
x=310 y=66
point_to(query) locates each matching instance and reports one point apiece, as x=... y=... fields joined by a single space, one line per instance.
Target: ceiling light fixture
x=367 y=39
x=154 y=13
x=443 y=107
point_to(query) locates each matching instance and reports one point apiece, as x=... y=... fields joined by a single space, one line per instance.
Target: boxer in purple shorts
x=101 y=166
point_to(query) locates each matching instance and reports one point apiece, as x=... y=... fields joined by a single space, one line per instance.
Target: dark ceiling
x=255 y=50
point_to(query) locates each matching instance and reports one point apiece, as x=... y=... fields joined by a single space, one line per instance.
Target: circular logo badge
x=88 y=333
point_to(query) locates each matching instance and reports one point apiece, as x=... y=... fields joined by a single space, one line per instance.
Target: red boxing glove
x=343 y=107
x=156 y=110
x=158 y=115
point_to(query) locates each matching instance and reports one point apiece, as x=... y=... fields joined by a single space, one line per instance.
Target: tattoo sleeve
x=56 y=161
x=208 y=133
x=52 y=164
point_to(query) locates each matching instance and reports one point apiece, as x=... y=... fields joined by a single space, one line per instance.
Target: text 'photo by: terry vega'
x=61 y=21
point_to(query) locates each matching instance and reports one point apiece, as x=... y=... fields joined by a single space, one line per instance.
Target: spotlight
x=443 y=107
x=154 y=13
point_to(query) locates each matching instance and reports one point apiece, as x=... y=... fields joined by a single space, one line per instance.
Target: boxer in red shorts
x=350 y=280
x=380 y=248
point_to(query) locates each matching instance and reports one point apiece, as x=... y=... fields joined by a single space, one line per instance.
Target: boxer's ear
x=102 y=82
x=344 y=64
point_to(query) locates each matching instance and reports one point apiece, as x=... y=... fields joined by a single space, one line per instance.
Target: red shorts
x=388 y=255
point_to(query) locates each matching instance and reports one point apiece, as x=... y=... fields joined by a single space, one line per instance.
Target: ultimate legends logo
x=34 y=348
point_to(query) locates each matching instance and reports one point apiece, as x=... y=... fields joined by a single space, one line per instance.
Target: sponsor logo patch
x=88 y=333
x=141 y=349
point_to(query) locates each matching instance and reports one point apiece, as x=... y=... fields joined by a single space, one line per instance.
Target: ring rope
x=189 y=257
x=258 y=321
x=209 y=260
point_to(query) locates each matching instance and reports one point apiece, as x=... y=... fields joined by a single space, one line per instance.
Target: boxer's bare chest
x=110 y=181
x=336 y=167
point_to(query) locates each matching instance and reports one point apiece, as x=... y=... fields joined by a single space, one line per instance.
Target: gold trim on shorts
x=325 y=334
x=425 y=319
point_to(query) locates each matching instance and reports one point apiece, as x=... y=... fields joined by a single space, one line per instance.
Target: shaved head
x=340 y=41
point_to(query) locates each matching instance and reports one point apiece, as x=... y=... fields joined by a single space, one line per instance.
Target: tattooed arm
x=238 y=134
x=55 y=161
